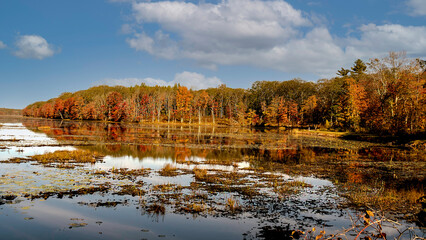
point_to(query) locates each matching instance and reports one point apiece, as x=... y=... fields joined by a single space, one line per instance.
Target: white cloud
x=126 y=29
x=189 y=79
x=160 y=45
x=417 y=7
x=2 y=45
x=195 y=80
x=267 y=34
x=244 y=24
x=389 y=37
x=129 y=82
x=33 y=46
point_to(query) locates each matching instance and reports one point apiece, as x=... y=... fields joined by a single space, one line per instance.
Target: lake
x=202 y=182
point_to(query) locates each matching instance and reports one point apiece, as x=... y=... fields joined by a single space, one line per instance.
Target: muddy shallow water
x=224 y=183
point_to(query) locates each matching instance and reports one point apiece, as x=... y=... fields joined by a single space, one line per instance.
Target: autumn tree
x=309 y=110
x=183 y=102
x=352 y=104
x=114 y=106
x=59 y=108
x=201 y=102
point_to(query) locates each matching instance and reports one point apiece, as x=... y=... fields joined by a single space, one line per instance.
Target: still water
x=257 y=184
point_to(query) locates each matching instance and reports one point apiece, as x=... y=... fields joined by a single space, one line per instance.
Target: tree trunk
x=60 y=114
x=213 y=116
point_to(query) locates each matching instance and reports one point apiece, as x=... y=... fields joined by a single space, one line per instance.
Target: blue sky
x=50 y=47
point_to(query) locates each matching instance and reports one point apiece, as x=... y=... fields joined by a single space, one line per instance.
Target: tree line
x=384 y=96
x=10 y=112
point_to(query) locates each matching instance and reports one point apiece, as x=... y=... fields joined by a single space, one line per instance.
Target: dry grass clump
x=167 y=187
x=131 y=190
x=168 y=170
x=232 y=205
x=132 y=172
x=194 y=208
x=199 y=174
x=387 y=199
x=156 y=208
x=290 y=187
x=298 y=184
x=76 y=156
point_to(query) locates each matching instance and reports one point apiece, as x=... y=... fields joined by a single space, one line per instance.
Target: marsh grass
x=133 y=172
x=131 y=190
x=168 y=171
x=156 y=209
x=194 y=208
x=289 y=187
x=65 y=157
x=386 y=199
x=367 y=225
x=222 y=161
x=232 y=205
x=199 y=174
x=167 y=187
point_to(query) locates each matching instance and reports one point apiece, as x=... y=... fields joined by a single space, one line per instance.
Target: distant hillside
x=10 y=112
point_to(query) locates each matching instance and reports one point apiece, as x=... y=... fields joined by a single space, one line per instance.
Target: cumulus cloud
x=33 y=46
x=189 y=79
x=195 y=80
x=2 y=45
x=417 y=7
x=389 y=37
x=129 y=82
x=267 y=34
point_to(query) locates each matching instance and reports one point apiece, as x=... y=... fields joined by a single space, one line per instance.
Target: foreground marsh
x=186 y=183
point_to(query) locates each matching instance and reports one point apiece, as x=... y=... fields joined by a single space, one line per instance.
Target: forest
x=385 y=96
x=10 y=112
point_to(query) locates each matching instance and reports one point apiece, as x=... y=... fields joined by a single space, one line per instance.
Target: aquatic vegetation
x=232 y=205
x=368 y=225
x=16 y=160
x=193 y=208
x=289 y=187
x=199 y=174
x=77 y=225
x=233 y=174
x=131 y=172
x=69 y=193
x=168 y=170
x=167 y=187
x=8 y=197
x=156 y=209
x=132 y=190
x=77 y=156
x=401 y=201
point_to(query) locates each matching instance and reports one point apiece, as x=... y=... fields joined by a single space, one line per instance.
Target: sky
x=49 y=47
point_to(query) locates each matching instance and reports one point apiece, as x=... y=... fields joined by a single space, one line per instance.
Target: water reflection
x=338 y=160
x=232 y=152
